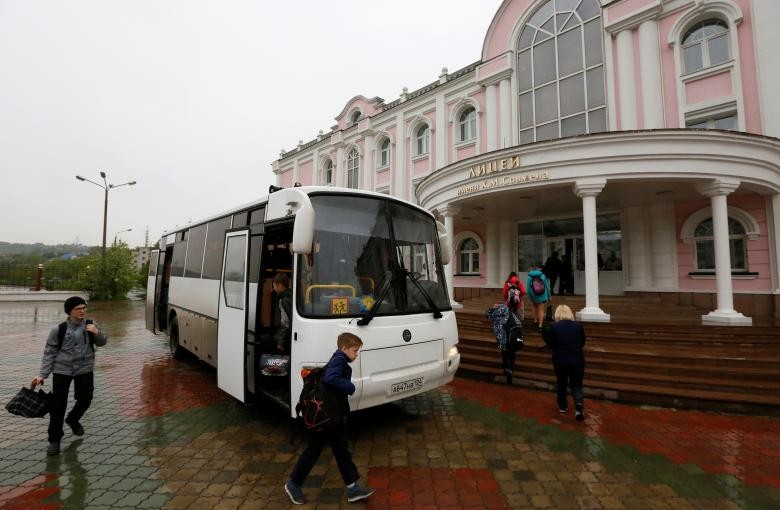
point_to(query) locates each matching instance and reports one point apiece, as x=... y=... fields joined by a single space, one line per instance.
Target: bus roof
x=309 y=190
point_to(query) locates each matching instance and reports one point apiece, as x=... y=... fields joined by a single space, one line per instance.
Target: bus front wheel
x=177 y=351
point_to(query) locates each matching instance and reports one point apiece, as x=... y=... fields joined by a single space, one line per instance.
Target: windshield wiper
x=436 y=312
x=387 y=280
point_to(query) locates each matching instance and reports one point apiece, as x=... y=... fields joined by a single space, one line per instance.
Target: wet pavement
x=161 y=435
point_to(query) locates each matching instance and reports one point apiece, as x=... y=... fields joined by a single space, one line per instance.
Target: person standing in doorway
x=552 y=267
x=283 y=334
x=539 y=292
x=70 y=355
x=566 y=339
x=566 y=282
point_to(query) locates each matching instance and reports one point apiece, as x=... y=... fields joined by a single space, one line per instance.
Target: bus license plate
x=411 y=384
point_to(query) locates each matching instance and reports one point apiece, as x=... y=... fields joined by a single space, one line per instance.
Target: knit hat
x=73 y=302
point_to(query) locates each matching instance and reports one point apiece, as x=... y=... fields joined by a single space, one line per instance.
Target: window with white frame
x=727 y=122
x=468 y=252
x=705 y=246
x=423 y=139
x=384 y=153
x=353 y=168
x=704 y=45
x=467 y=124
x=327 y=173
x=560 y=71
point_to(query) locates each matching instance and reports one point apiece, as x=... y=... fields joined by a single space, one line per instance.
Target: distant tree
x=115 y=280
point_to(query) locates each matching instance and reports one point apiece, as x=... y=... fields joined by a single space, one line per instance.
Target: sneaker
x=358 y=492
x=579 y=414
x=563 y=411
x=295 y=493
x=76 y=427
x=53 y=449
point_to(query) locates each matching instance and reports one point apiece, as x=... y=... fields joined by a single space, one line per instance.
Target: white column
x=774 y=263
x=492 y=244
x=718 y=190
x=449 y=212
x=505 y=113
x=588 y=190
x=398 y=187
x=508 y=239
x=339 y=166
x=442 y=151
x=650 y=71
x=626 y=80
x=296 y=172
x=367 y=182
x=490 y=117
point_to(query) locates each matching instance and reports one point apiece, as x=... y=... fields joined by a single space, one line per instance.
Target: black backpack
x=316 y=405
x=514 y=334
x=63 y=328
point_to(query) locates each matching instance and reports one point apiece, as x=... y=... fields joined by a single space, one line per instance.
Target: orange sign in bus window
x=339 y=305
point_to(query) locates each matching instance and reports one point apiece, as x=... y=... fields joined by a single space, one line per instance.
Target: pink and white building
x=639 y=138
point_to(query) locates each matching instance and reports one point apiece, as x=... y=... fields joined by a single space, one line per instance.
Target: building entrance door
x=571 y=252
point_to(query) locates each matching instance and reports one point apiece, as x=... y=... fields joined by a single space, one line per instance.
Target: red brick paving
x=422 y=488
x=747 y=447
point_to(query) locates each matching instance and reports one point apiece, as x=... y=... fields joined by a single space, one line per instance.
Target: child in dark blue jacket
x=338 y=379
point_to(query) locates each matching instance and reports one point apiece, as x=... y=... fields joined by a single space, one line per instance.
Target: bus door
x=151 y=290
x=161 y=285
x=231 y=330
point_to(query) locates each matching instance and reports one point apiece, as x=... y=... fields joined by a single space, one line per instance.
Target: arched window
x=705 y=246
x=355 y=117
x=560 y=71
x=705 y=45
x=327 y=173
x=384 y=153
x=467 y=123
x=353 y=168
x=423 y=139
x=468 y=252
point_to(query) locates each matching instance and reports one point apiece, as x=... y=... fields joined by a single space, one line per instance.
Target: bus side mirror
x=303 y=231
x=444 y=243
x=287 y=202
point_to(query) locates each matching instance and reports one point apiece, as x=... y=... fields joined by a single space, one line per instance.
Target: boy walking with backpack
x=337 y=379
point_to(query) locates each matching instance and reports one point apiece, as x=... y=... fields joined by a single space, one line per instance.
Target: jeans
x=508 y=359
x=570 y=375
x=83 y=388
x=333 y=435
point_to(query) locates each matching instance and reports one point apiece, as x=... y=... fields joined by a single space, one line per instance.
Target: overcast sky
x=193 y=99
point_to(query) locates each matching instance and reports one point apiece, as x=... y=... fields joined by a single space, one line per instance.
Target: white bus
x=358 y=262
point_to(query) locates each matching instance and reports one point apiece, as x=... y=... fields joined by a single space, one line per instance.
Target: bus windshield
x=368 y=250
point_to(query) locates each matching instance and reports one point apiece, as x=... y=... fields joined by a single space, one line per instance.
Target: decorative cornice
x=589 y=187
x=449 y=210
x=650 y=12
x=717 y=187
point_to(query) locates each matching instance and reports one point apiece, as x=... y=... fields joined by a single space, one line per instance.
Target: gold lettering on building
x=507 y=180
x=497 y=165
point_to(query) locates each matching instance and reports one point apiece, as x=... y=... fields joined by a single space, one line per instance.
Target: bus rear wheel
x=177 y=351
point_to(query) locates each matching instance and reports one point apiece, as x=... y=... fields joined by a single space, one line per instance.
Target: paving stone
x=161 y=435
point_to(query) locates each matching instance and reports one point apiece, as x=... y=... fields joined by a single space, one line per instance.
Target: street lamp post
x=120 y=232
x=106 y=188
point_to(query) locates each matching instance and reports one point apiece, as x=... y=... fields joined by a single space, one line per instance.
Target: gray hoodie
x=76 y=356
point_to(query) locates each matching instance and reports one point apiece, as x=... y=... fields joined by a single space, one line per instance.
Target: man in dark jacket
x=566 y=338
x=338 y=380
x=71 y=357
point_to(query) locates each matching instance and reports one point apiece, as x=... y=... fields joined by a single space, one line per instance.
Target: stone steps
x=724 y=368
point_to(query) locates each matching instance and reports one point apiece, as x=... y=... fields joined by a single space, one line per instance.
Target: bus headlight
x=453 y=351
